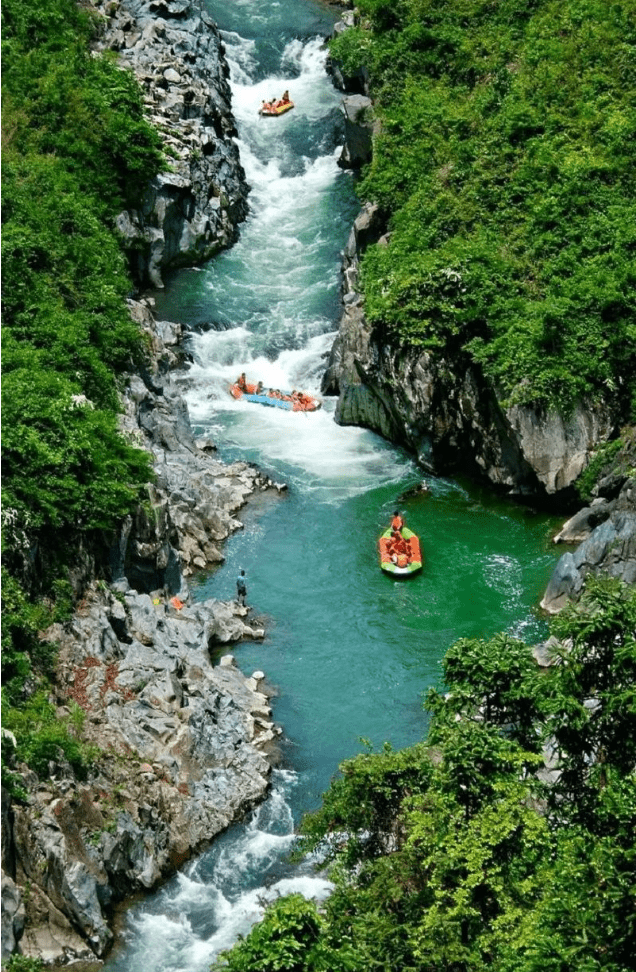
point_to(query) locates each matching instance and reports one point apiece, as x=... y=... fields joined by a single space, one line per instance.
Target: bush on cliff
x=76 y=149
x=456 y=853
x=504 y=169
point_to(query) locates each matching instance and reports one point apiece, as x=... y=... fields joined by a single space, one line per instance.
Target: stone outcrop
x=606 y=534
x=360 y=127
x=357 y=83
x=193 y=500
x=441 y=408
x=185 y=746
x=192 y=210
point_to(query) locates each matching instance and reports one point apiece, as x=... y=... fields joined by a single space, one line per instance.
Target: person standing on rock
x=241 y=589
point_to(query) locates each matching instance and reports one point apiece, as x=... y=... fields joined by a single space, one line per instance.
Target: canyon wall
x=193 y=209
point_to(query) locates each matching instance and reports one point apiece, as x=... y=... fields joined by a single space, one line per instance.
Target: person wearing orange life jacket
x=397 y=522
x=398 y=545
x=241 y=381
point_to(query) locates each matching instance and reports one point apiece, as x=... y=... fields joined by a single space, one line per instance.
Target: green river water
x=350 y=651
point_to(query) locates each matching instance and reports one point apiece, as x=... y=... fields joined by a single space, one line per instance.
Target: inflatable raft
x=414 y=555
x=278 y=108
x=304 y=403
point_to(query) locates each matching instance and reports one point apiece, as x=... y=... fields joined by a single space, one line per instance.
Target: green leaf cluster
x=22 y=963
x=504 y=169
x=42 y=737
x=289 y=938
x=462 y=853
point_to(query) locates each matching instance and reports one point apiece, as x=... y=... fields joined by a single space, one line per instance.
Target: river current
x=350 y=651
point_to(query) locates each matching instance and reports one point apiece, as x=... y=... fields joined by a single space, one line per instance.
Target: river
x=350 y=651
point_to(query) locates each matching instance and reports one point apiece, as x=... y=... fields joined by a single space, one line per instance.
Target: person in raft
x=285 y=99
x=397 y=522
x=241 y=589
x=242 y=382
x=260 y=388
x=398 y=549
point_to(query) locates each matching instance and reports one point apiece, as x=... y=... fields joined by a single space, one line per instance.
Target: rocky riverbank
x=605 y=532
x=193 y=209
x=183 y=741
x=443 y=410
x=185 y=747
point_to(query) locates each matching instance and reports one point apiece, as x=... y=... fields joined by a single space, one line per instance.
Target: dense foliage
x=466 y=853
x=76 y=149
x=504 y=169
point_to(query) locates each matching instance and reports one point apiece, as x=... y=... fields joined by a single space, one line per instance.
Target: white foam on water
x=504 y=574
x=222 y=894
x=271 y=284
x=302 y=73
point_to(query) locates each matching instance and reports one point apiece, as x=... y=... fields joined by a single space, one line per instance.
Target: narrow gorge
x=215 y=727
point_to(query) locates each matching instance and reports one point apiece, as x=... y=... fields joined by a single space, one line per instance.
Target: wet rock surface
x=606 y=532
x=186 y=747
x=193 y=209
x=442 y=408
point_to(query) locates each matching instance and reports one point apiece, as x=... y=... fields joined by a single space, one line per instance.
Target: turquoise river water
x=350 y=651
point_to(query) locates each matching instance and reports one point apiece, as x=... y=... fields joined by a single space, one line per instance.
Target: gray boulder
x=360 y=126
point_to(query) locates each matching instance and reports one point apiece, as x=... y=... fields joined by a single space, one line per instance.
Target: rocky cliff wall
x=439 y=405
x=442 y=408
x=185 y=748
x=605 y=532
x=193 y=209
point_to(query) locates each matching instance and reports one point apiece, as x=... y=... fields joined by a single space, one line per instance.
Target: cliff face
x=605 y=531
x=183 y=751
x=442 y=409
x=192 y=210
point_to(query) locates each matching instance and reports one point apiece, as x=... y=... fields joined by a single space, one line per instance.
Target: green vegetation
x=21 y=963
x=504 y=170
x=612 y=462
x=458 y=854
x=76 y=150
